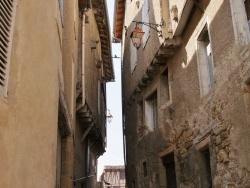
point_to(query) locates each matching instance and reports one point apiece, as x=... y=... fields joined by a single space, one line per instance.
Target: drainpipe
x=84 y=97
x=83 y=60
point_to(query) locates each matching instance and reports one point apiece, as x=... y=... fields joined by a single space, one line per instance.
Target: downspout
x=83 y=64
x=84 y=96
x=83 y=60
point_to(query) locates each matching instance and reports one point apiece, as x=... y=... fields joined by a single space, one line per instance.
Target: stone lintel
x=167 y=151
x=202 y=145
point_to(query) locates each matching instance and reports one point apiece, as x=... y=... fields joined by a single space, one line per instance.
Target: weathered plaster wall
x=85 y=162
x=93 y=66
x=28 y=116
x=70 y=52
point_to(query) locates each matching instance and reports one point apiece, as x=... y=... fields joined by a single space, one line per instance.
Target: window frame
x=151 y=111
x=203 y=146
x=165 y=89
x=169 y=164
x=133 y=57
x=146 y=19
x=205 y=69
x=240 y=25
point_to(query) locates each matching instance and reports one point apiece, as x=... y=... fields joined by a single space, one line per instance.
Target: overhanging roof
x=119 y=13
x=102 y=20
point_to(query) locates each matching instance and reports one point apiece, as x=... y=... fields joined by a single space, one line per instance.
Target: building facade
x=41 y=61
x=185 y=92
x=96 y=69
x=113 y=177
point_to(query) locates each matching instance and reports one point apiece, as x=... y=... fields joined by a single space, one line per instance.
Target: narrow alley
x=124 y=94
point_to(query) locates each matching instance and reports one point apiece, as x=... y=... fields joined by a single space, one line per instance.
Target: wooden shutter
x=6 y=31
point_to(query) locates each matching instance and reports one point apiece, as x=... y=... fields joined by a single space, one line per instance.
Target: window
x=205 y=61
x=165 y=94
x=240 y=12
x=145 y=18
x=145 y=172
x=205 y=168
x=133 y=57
x=246 y=91
x=141 y=129
x=122 y=175
x=168 y=162
x=61 y=7
x=7 y=14
x=151 y=112
x=247 y=7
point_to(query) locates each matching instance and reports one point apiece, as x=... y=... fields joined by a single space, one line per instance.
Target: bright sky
x=114 y=150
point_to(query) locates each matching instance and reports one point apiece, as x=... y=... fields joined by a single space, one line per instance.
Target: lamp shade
x=136 y=37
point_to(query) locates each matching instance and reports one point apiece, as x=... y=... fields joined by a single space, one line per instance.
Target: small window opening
x=246 y=92
x=145 y=173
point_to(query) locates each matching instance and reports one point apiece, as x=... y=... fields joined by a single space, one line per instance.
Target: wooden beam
x=165 y=52
x=174 y=42
x=87 y=131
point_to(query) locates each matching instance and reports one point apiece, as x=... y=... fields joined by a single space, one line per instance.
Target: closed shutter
x=6 y=31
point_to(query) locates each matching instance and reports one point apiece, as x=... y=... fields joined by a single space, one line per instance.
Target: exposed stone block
x=225 y=143
x=224 y=135
x=218 y=140
x=219 y=129
x=223 y=156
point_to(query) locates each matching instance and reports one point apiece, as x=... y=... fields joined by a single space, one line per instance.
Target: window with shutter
x=7 y=14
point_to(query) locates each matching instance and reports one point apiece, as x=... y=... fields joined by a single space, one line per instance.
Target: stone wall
x=190 y=124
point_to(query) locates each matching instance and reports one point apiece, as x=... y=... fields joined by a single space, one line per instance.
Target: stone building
x=186 y=96
x=53 y=68
x=113 y=177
